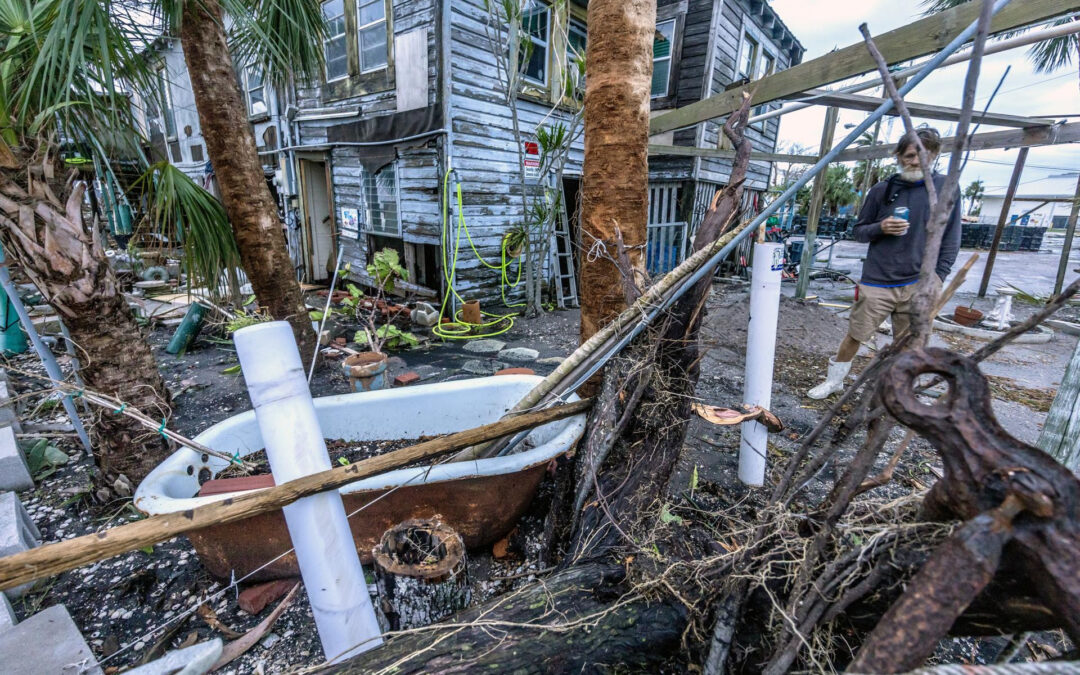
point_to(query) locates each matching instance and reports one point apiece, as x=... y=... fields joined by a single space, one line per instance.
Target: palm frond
x=182 y=211
x=67 y=63
x=283 y=37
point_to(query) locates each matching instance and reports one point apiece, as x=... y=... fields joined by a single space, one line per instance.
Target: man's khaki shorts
x=875 y=304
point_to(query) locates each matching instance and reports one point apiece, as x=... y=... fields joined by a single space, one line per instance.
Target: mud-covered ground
x=135 y=606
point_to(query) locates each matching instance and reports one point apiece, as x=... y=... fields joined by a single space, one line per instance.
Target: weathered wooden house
x=412 y=91
x=715 y=44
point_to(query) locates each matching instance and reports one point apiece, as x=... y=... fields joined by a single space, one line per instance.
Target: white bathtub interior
x=406 y=413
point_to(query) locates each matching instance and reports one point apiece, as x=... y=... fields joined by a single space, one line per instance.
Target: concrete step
x=17 y=533
x=47 y=643
x=14 y=474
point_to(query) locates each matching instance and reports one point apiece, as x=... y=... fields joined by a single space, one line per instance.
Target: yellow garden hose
x=459 y=329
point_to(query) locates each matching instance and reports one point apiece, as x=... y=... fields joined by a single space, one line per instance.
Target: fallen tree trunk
x=574 y=621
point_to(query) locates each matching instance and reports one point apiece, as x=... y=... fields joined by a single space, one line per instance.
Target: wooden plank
x=687 y=151
x=925 y=36
x=51 y=559
x=922 y=110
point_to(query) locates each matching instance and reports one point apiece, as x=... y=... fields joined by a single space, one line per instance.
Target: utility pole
x=1018 y=169
x=1070 y=229
x=816 y=197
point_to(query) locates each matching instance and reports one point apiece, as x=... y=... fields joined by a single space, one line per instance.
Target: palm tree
x=285 y=38
x=62 y=63
x=1047 y=56
x=616 y=177
x=974 y=193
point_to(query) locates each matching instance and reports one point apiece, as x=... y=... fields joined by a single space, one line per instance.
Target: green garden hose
x=459 y=329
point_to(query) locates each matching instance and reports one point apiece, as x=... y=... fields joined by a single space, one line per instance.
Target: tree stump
x=421 y=573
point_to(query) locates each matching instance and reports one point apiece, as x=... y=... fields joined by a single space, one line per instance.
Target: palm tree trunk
x=230 y=143
x=41 y=226
x=616 y=177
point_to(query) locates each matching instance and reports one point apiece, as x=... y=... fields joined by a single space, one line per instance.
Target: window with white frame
x=576 y=37
x=335 y=50
x=768 y=65
x=371 y=27
x=536 y=29
x=662 y=42
x=255 y=89
x=381 y=201
x=751 y=49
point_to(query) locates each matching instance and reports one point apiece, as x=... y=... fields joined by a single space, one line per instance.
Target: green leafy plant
x=385 y=268
x=43 y=459
x=243 y=320
x=515 y=239
x=388 y=336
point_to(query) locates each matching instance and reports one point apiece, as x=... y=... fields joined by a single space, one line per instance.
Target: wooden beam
x=688 y=151
x=1012 y=138
x=817 y=198
x=1057 y=134
x=1045 y=199
x=1066 y=250
x=925 y=36
x=51 y=559
x=1003 y=217
x=922 y=110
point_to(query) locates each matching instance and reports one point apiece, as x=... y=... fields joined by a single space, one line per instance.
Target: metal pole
x=1018 y=169
x=817 y=196
x=1070 y=229
x=47 y=358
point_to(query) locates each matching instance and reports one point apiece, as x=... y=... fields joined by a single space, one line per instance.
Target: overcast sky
x=822 y=25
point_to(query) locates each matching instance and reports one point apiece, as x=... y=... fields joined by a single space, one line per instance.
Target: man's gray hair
x=929 y=136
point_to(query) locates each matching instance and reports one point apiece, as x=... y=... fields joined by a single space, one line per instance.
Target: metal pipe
x=318 y=526
x=1024 y=40
x=760 y=356
x=47 y=358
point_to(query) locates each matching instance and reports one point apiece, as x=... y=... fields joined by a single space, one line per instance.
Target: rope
x=458 y=328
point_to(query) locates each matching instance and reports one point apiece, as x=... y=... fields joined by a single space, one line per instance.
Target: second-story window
x=256 y=92
x=576 y=37
x=535 y=23
x=661 y=76
x=334 y=48
x=748 y=62
x=159 y=112
x=371 y=25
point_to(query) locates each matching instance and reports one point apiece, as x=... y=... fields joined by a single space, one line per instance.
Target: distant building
x=1031 y=207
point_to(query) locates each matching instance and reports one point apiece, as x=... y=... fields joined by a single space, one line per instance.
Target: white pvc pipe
x=760 y=352
x=295 y=446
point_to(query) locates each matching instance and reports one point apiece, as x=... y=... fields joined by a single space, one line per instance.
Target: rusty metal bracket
x=1017 y=501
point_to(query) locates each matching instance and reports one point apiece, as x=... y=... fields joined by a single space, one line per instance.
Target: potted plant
x=514 y=240
x=367 y=371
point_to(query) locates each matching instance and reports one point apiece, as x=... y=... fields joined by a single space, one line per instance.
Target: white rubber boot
x=834 y=382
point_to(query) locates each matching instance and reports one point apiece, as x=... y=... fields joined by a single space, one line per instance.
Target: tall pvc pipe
x=295 y=446
x=760 y=352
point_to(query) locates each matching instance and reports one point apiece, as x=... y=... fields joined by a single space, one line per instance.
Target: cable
x=458 y=328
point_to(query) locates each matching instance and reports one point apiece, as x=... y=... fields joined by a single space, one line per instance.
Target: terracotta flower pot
x=367 y=371
x=966 y=316
x=470 y=312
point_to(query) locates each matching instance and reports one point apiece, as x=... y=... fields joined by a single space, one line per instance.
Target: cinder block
x=17 y=533
x=14 y=475
x=7 y=614
x=48 y=642
x=7 y=407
